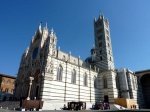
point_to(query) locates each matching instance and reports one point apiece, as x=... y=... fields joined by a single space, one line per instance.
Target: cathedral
x=55 y=77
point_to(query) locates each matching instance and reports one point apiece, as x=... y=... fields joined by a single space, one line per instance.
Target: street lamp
x=31 y=78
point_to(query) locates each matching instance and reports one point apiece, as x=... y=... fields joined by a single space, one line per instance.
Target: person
x=101 y=105
x=93 y=106
x=83 y=106
x=108 y=106
x=77 y=107
x=135 y=106
x=72 y=106
x=64 y=107
x=104 y=106
x=21 y=101
x=68 y=105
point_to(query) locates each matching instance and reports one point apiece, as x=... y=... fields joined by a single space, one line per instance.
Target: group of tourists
x=75 y=106
x=133 y=106
x=101 y=105
x=82 y=106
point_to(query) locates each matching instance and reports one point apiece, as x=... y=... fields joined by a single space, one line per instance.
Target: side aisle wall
x=61 y=92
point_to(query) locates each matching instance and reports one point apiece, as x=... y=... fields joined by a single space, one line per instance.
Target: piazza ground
x=137 y=110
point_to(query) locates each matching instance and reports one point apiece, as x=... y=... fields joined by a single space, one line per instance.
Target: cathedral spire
x=40 y=29
x=52 y=31
x=45 y=28
x=40 y=25
x=93 y=46
x=101 y=16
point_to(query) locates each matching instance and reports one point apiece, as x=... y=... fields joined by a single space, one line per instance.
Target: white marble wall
x=64 y=91
x=111 y=90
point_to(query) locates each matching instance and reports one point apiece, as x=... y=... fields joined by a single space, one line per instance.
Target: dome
x=90 y=59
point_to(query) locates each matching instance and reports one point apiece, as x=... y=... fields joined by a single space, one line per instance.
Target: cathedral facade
x=60 y=77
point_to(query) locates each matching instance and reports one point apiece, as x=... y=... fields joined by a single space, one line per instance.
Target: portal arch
x=145 y=83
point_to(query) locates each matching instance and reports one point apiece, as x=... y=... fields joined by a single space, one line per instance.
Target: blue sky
x=72 y=20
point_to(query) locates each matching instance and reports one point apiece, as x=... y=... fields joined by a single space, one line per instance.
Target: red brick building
x=7 y=83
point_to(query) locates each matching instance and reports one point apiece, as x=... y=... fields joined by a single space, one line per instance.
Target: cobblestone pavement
x=141 y=110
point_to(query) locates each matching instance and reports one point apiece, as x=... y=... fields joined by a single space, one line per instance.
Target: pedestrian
x=81 y=108
x=20 y=101
x=84 y=106
x=64 y=107
x=93 y=106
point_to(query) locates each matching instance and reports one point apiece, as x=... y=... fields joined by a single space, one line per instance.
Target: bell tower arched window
x=59 y=73
x=105 y=82
x=95 y=82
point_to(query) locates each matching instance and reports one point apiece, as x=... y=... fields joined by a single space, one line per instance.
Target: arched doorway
x=36 y=85
x=106 y=99
x=145 y=82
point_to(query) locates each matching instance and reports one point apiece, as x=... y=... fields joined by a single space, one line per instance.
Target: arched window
x=64 y=58
x=12 y=91
x=6 y=90
x=100 y=51
x=105 y=82
x=101 y=58
x=107 y=38
x=3 y=81
x=73 y=77
x=117 y=82
x=133 y=83
x=95 y=82
x=136 y=85
x=85 y=80
x=59 y=73
x=108 y=44
x=8 y=82
x=100 y=44
x=13 y=83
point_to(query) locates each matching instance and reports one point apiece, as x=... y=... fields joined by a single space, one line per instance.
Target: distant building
x=7 y=83
x=60 y=78
x=127 y=84
x=134 y=85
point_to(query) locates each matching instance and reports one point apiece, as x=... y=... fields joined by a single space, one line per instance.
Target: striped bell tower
x=103 y=47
